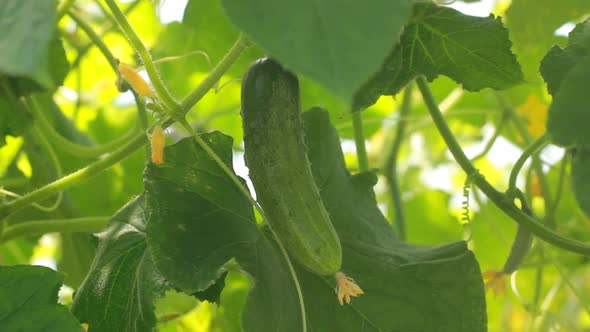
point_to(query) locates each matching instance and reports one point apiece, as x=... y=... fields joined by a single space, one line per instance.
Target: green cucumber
x=280 y=170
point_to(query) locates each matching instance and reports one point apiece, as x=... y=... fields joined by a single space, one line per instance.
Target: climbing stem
x=40 y=135
x=38 y=227
x=63 y=8
x=494 y=138
x=537 y=165
x=561 y=181
x=145 y=56
x=105 y=28
x=68 y=146
x=96 y=39
x=13 y=182
x=76 y=177
x=230 y=57
x=390 y=167
x=537 y=145
x=359 y=140
x=498 y=198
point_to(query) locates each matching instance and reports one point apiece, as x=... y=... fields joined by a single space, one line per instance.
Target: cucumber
x=280 y=170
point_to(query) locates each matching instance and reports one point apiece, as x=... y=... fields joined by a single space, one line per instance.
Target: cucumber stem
x=390 y=167
x=359 y=140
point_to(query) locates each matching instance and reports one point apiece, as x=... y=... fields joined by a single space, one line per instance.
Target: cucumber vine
x=296 y=181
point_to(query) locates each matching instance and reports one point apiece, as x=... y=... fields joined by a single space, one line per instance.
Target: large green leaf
x=473 y=51
x=198 y=221
x=13 y=119
x=569 y=114
x=29 y=300
x=532 y=24
x=77 y=255
x=27 y=27
x=400 y=283
x=581 y=179
x=558 y=62
x=119 y=291
x=49 y=74
x=337 y=43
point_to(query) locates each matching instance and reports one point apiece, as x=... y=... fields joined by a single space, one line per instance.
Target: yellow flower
x=496 y=281
x=535 y=114
x=346 y=287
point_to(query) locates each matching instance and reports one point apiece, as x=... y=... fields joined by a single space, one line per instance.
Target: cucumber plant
x=155 y=236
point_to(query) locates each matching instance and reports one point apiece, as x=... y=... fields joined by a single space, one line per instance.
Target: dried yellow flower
x=137 y=82
x=495 y=281
x=346 y=287
x=157 y=141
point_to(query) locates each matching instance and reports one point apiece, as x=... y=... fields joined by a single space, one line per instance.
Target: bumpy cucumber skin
x=279 y=168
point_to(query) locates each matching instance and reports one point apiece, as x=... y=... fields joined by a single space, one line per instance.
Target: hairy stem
x=145 y=56
x=83 y=50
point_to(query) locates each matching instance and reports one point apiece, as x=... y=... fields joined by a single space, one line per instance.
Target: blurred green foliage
x=549 y=293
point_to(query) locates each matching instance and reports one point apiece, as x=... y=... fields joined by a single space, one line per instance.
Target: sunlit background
x=432 y=183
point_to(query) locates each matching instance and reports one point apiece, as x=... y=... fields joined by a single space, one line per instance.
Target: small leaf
x=338 y=43
x=122 y=285
x=473 y=51
x=29 y=300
